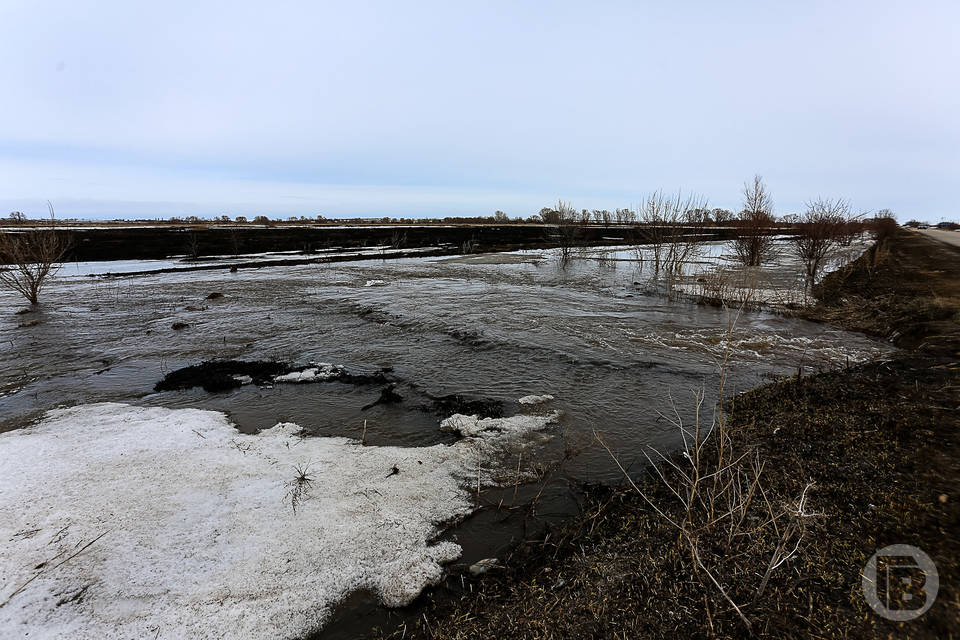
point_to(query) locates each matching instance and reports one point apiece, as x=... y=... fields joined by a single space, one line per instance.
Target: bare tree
x=664 y=231
x=721 y=216
x=30 y=257
x=602 y=216
x=822 y=228
x=568 y=230
x=697 y=215
x=655 y=215
x=192 y=245
x=754 y=244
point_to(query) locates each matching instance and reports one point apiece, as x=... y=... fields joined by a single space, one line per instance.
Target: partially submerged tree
x=754 y=244
x=29 y=257
x=192 y=245
x=568 y=229
x=821 y=229
x=664 y=230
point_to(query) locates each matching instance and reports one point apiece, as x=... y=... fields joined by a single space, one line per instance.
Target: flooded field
x=490 y=327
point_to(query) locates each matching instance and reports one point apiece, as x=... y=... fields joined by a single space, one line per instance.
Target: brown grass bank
x=876 y=446
x=906 y=289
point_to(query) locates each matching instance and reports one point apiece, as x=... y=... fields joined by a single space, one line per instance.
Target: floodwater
x=497 y=326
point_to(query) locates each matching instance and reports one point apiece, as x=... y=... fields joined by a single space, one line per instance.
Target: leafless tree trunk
x=28 y=258
x=754 y=244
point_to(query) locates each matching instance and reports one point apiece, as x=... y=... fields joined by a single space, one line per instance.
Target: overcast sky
x=152 y=109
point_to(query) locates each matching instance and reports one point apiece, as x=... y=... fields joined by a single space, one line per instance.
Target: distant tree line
x=664 y=224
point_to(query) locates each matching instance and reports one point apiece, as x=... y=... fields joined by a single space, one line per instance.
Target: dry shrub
x=721 y=508
x=823 y=228
x=725 y=288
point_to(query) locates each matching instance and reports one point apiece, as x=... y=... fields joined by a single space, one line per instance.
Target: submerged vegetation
x=669 y=236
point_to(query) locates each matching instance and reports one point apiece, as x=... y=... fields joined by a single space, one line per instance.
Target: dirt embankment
x=905 y=289
x=854 y=460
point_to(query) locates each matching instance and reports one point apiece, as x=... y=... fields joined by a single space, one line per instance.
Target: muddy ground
x=871 y=449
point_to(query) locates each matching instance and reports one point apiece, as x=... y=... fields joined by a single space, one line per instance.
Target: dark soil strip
x=222 y=375
x=878 y=442
x=219 y=375
x=456 y=403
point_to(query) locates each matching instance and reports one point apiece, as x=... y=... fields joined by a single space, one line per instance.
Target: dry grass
x=299 y=486
x=906 y=288
x=719 y=501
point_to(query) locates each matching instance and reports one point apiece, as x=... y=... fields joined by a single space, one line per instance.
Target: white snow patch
x=472 y=426
x=375 y=283
x=316 y=373
x=243 y=380
x=191 y=524
x=535 y=399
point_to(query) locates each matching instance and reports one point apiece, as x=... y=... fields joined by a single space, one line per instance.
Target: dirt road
x=950 y=237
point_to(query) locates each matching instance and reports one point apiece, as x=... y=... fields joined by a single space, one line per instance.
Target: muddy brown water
x=500 y=327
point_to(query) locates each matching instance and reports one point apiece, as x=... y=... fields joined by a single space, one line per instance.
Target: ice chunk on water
x=317 y=373
x=535 y=399
x=473 y=426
